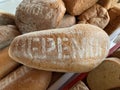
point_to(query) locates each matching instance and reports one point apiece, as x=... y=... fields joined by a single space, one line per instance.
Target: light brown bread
x=7 y=34
x=33 y=15
x=67 y=21
x=7 y=19
x=96 y=15
x=79 y=48
x=79 y=86
x=105 y=76
x=114 y=19
x=6 y=63
x=108 y=3
x=76 y=7
x=25 y=78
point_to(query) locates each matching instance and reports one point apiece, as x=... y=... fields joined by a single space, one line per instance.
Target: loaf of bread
x=79 y=48
x=79 y=86
x=7 y=34
x=6 y=18
x=25 y=78
x=67 y=21
x=114 y=19
x=105 y=76
x=6 y=63
x=76 y=7
x=108 y=3
x=96 y=15
x=33 y=15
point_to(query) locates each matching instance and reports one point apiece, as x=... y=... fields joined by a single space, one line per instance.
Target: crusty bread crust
x=67 y=21
x=105 y=76
x=79 y=48
x=7 y=34
x=76 y=7
x=96 y=15
x=39 y=15
x=6 y=63
x=25 y=78
x=6 y=18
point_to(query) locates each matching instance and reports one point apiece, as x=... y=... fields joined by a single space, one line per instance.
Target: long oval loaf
x=79 y=48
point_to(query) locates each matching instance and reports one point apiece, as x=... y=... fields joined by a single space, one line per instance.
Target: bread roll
x=7 y=34
x=79 y=48
x=108 y=3
x=6 y=63
x=26 y=79
x=105 y=76
x=7 y=19
x=76 y=7
x=79 y=86
x=67 y=21
x=114 y=19
x=91 y=16
x=33 y=15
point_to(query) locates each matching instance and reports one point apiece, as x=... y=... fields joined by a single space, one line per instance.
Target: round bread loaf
x=106 y=76
x=6 y=18
x=7 y=34
x=91 y=16
x=25 y=78
x=33 y=15
x=79 y=48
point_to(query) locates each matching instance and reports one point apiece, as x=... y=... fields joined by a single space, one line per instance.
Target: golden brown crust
x=6 y=63
x=76 y=7
x=105 y=76
x=39 y=15
x=96 y=15
x=7 y=19
x=79 y=48
x=108 y=3
x=25 y=78
x=114 y=19
x=7 y=34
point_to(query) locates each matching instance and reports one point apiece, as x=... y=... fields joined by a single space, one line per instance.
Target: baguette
x=6 y=63
x=91 y=16
x=39 y=15
x=67 y=21
x=7 y=34
x=76 y=7
x=79 y=48
x=7 y=19
x=106 y=76
x=25 y=78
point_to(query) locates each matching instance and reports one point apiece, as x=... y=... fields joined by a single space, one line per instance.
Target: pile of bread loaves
x=47 y=38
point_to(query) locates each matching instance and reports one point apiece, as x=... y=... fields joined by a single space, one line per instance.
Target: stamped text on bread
x=63 y=47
